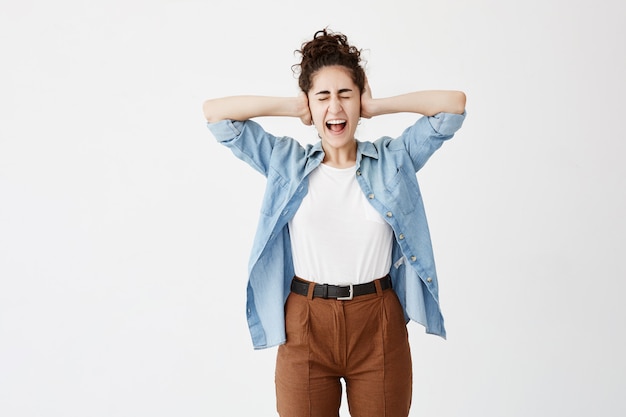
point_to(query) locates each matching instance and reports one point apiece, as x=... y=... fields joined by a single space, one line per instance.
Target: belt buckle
x=349 y=297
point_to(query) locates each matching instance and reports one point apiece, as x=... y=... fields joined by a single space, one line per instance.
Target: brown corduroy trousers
x=364 y=341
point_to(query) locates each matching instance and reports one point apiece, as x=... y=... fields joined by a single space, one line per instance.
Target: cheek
x=315 y=112
x=356 y=107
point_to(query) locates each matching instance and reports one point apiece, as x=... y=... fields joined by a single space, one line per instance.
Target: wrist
x=371 y=108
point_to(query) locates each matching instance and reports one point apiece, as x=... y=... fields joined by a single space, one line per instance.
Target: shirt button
x=371 y=196
x=429 y=279
x=389 y=214
x=358 y=172
x=413 y=258
x=401 y=237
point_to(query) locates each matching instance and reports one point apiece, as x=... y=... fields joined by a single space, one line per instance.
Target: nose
x=334 y=106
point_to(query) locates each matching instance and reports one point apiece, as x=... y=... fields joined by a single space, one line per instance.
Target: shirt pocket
x=275 y=193
x=403 y=190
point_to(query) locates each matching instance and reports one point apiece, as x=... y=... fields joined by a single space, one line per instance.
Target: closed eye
x=343 y=93
x=341 y=97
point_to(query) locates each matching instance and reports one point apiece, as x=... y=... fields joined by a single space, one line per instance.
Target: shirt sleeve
x=427 y=135
x=247 y=140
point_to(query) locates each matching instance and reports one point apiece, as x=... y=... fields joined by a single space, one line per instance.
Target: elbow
x=458 y=102
x=448 y=101
x=210 y=111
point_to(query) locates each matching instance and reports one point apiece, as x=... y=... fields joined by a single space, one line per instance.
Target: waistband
x=339 y=292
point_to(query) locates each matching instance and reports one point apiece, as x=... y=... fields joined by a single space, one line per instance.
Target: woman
x=342 y=258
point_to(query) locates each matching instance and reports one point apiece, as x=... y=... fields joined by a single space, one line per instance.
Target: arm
x=427 y=103
x=445 y=111
x=246 y=107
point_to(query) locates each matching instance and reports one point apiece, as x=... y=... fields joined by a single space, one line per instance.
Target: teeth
x=335 y=122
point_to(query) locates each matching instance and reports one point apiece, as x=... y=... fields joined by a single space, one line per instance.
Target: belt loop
x=379 y=288
x=309 y=293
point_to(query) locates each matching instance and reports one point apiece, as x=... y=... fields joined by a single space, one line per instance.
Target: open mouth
x=336 y=125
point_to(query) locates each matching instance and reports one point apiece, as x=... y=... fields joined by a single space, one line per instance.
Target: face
x=335 y=103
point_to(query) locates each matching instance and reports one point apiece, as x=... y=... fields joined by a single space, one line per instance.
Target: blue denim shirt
x=385 y=171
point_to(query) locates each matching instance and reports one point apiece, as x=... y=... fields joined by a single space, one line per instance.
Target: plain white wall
x=122 y=269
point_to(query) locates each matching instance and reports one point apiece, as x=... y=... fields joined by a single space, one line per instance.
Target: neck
x=344 y=157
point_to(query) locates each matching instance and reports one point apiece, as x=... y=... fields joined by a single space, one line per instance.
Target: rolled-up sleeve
x=427 y=135
x=247 y=140
x=225 y=130
x=446 y=124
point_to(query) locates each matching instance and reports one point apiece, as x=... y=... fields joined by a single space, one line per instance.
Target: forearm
x=427 y=103
x=247 y=107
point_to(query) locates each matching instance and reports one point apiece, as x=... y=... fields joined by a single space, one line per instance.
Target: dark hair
x=325 y=49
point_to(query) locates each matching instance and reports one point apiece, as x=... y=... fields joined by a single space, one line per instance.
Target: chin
x=338 y=142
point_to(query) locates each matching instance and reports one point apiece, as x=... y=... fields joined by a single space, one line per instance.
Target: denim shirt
x=385 y=171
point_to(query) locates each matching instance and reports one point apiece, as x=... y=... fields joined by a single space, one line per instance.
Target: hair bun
x=325 y=49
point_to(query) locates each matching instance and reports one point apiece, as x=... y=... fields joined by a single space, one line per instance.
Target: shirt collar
x=362 y=149
x=317 y=147
x=366 y=149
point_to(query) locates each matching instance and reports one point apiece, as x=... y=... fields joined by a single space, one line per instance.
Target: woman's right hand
x=303 y=110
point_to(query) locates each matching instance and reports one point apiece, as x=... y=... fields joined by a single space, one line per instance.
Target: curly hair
x=325 y=49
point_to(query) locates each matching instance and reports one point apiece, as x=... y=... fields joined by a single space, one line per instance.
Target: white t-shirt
x=336 y=235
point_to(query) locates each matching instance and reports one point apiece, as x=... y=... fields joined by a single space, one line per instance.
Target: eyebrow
x=341 y=91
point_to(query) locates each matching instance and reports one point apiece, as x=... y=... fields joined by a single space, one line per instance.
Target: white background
x=125 y=228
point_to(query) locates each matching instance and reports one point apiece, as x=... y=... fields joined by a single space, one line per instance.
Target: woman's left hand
x=367 y=101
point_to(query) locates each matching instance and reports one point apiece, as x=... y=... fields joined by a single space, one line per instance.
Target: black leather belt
x=339 y=292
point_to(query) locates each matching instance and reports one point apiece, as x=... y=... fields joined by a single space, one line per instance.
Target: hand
x=303 y=110
x=367 y=101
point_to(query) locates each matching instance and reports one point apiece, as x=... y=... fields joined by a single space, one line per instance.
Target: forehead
x=332 y=77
